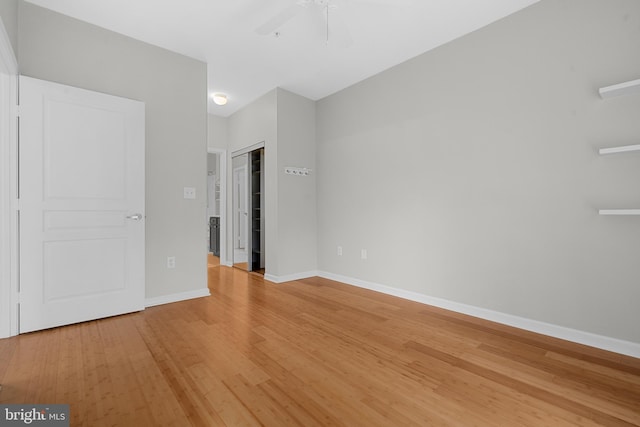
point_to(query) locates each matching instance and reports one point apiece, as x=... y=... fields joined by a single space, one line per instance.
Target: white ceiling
x=365 y=37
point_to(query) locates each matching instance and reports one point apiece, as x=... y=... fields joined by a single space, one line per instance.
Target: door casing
x=8 y=185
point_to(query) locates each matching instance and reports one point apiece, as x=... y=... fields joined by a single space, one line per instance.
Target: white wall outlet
x=171 y=262
x=339 y=250
x=189 y=193
x=363 y=254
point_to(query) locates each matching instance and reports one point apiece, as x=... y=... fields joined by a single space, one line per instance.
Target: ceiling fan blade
x=279 y=20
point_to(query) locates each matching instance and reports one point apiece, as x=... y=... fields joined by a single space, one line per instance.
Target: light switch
x=189 y=193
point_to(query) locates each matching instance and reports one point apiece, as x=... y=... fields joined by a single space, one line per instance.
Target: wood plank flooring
x=212 y=261
x=314 y=353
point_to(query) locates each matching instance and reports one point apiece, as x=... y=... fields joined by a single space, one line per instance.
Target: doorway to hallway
x=216 y=208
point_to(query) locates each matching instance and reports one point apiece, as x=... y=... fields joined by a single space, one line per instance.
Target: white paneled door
x=81 y=205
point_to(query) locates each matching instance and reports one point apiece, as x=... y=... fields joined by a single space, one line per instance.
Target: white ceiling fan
x=333 y=26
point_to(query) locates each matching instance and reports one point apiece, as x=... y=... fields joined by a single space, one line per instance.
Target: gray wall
x=174 y=88
x=471 y=172
x=9 y=15
x=297 y=221
x=217 y=132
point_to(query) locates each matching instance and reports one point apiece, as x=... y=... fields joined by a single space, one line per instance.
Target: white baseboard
x=593 y=340
x=166 y=299
x=290 y=277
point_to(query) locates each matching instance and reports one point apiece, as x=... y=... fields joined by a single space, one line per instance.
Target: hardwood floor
x=212 y=261
x=314 y=353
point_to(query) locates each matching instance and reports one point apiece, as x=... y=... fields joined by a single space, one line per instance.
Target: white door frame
x=8 y=187
x=222 y=165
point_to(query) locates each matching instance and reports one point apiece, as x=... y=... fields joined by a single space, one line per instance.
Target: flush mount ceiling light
x=219 y=98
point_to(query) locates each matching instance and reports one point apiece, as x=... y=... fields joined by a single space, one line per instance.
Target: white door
x=81 y=205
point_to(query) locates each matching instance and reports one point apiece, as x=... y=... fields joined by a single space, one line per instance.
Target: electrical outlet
x=363 y=254
x=339 y=250
x=189 y=193
x=171 y=262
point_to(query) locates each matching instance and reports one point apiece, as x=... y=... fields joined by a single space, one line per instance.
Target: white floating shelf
x=626 y=88
x=619 y=211
x=622 y=149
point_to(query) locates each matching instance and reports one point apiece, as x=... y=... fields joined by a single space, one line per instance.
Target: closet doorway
x=248 y=209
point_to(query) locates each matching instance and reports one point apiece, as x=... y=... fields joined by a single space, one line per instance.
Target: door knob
x=135 y=217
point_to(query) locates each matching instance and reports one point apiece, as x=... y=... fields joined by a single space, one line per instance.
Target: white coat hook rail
x=290 y=170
